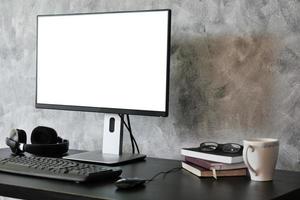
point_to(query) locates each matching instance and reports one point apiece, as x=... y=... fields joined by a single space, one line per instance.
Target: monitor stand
x=111 y=153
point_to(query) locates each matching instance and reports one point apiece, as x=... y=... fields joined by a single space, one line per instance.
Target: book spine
x=203 y=163
x=235 y=172
x=198 y=171
x=198 y=162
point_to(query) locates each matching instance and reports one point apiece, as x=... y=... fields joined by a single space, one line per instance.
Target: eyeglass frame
x=220 y=147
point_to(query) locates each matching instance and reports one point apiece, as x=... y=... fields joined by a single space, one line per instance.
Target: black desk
x=176 y=185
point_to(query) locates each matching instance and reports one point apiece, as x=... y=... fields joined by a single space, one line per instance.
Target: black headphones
x=45 y=142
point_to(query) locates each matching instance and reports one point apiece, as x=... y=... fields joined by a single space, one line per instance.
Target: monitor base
x=106 y=159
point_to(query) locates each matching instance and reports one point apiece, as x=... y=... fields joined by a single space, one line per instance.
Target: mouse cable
x=164 y=173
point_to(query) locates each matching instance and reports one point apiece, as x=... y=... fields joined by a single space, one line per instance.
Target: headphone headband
x=48 y=149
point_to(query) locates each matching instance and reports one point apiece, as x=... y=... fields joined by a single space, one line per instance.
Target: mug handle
x=246 y=160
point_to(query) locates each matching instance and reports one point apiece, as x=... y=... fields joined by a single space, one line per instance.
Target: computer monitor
x=113 y=62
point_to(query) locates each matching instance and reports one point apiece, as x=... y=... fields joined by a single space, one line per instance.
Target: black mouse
x=129 y=183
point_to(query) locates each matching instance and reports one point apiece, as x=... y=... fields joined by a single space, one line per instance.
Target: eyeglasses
x=232 y=148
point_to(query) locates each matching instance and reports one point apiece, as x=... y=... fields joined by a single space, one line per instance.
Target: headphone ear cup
x=44 y=135
x=22 y=137
x=16 y=137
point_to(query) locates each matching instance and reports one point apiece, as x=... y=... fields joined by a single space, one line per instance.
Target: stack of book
x=212 y=164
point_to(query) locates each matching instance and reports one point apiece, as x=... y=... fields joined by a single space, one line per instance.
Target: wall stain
x=224 y=82
x=220 y=92
x=191 y=76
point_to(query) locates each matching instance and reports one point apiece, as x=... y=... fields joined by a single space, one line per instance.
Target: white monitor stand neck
x=112 y=147
x=112 y=134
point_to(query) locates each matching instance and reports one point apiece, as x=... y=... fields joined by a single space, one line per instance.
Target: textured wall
x=235 y=74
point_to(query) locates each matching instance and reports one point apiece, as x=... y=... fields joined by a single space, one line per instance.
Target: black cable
x=131 y=139
x=164 y=172
x=128 y=126
x=130 y=131
x=123 y=122
x=131 y=135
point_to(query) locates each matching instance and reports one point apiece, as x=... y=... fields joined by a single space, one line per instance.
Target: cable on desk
x=163 y=172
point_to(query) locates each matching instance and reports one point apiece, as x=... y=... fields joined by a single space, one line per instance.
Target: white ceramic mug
x=260 y=156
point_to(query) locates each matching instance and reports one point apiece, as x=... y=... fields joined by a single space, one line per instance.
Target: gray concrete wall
x=235 y=74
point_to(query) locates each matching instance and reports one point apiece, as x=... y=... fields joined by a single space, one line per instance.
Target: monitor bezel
x=103 y=109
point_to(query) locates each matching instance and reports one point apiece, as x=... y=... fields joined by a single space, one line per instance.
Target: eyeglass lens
x=208 y=146
x=231 y=148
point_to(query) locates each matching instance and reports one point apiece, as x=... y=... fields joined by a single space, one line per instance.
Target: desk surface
x=176 y=185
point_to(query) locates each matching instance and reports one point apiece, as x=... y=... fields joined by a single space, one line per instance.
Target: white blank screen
x=112 y=60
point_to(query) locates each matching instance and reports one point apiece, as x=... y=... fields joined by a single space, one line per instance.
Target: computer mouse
x=129 y=183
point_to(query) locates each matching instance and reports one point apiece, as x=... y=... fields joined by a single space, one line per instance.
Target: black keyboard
x=57 y=168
